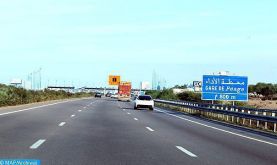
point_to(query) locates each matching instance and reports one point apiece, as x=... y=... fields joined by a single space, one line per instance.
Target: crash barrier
x=264 y=119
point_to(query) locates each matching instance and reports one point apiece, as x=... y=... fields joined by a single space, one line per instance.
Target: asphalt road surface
x=105 y=131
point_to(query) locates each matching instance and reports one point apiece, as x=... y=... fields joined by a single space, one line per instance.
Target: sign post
x=225 y=88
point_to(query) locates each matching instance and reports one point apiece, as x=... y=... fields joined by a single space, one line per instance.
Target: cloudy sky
x=83 y=41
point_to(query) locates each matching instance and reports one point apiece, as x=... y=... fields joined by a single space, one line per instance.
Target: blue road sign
x=229 y=88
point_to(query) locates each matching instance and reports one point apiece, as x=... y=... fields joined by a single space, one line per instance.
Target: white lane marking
x=80 y=110
x=219 y=129
x=37 y=144
x=72 y=115
x=124 y=109
x=136 y=119
x=62 y=124
x=27 y=109
x=129 y=113
x=186 y=151
x=150 y=129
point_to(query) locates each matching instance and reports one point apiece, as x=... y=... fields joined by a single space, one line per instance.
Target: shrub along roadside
x=10 y=95
x=169 y=95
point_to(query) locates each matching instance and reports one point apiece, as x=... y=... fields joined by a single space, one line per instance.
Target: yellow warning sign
x=114 y=80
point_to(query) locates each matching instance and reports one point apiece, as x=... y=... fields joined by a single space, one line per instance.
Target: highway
x=105 y=131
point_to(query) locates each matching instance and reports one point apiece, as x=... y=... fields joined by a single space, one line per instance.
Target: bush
x=153 y=94
x=266 y=89
x=164 y=94
x=169 y=95
x=10 y=95
x=190 y=96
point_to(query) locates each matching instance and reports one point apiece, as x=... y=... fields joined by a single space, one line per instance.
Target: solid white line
x=186 y=151
x=62 y=124
x=136 y=119
x=150 y=129
x=27 y=109
x=37 y=144
x=80 y=110
x=129 y=113
x=124 y=109
x=219 y=129
x=72 y=115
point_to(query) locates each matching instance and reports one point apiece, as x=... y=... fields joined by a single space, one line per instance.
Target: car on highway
x=108 y=95
x=144 y=101
x=99 y=95
x=114 y=96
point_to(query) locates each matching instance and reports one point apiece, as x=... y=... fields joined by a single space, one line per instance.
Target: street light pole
x=40 y=84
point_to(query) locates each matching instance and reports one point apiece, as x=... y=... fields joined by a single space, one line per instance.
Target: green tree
x=181 y=86
x=190 y=96
x=167 y=95
x=252 y=88
x=267 y=90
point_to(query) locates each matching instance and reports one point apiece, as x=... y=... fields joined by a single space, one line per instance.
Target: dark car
x=108 y=95
x=98 y=95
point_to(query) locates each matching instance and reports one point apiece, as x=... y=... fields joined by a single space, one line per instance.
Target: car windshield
x=148 y=98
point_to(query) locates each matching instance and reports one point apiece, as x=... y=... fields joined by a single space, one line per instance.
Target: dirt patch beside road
x=267 y=104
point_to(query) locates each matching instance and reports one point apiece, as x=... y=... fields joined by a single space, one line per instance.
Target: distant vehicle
x=124 y=91
x=98 y=95
x=108 y=95
x=114 y=96
x=144 y=101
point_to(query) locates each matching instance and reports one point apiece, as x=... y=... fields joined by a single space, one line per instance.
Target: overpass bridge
x=62 y=88
x=89 y=89
x=112 y=89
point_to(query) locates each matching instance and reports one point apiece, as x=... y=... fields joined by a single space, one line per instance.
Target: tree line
x=267 y=90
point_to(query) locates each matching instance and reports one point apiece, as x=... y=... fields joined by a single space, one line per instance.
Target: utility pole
x=32 y=81
x=35 y=80
x=40 y=84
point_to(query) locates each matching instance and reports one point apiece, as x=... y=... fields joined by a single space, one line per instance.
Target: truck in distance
x=124 y=91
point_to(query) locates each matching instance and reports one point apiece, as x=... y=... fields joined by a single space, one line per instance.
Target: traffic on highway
x=148 y=82
x=107 y=131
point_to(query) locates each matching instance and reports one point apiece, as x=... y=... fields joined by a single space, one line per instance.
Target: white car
x=144 y=101
x=114 y=96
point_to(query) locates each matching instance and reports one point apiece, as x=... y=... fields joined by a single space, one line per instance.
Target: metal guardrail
x=258 y=115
